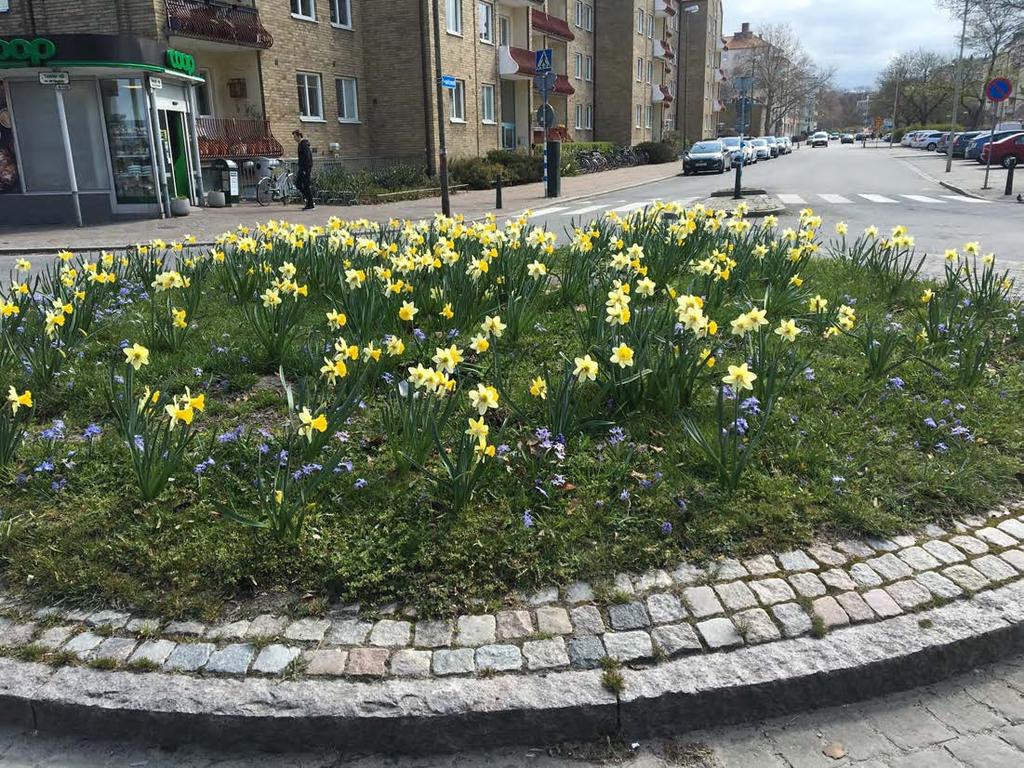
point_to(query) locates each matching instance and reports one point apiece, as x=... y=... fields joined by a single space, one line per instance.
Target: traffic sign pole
x=991 y=139
x=997 y=90
x=545 y=78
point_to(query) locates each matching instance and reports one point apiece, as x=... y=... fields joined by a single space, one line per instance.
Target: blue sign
x=448 y=81
x=998 y=89
x=545 y=83
x=543 y=62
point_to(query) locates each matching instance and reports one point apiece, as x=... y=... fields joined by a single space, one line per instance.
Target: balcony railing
x=217 y=22
x=552 y=26
x=663 y=50
x=664 y=8
x=236 y=137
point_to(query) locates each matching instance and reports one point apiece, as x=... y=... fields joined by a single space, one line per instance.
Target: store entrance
x=175 y=156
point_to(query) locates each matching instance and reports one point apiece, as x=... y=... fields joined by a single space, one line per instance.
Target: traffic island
x=757 y=203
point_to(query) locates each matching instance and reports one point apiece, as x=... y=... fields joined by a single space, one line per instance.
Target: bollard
x=738 y=191
x=497 y=192
x=1009 y=175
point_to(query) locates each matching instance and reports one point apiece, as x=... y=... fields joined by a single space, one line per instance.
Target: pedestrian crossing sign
x=543 y=62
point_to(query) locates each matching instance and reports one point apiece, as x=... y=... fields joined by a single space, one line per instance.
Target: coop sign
x=28 y=53
x=180 y=61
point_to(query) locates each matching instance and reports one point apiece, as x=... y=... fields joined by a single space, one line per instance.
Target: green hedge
x=658 y=151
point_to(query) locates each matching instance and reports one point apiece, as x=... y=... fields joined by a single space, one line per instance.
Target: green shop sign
x=181 y=62
x=28 y=53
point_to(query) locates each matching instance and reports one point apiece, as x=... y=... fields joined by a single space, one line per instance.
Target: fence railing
x=236 y=137
x=217 y=22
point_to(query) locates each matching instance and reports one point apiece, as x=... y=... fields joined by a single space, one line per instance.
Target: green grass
x=844 y=455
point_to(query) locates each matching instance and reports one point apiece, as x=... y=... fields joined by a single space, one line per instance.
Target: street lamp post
x=956 y=88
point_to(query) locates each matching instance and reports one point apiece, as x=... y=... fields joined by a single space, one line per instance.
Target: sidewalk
x=966 y=177
x=207 y=223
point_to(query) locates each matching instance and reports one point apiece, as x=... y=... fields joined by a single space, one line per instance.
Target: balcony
x=520 y=64
x=663 y=50
x=551 y=26
x=217 y=22
x=664 y=8
x=661 y=94
x=236 y=137
x=522 y=3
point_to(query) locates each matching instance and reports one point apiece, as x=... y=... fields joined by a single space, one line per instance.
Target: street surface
x=974 y=721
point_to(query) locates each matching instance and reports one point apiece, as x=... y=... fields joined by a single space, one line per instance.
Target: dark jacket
x=305 y=157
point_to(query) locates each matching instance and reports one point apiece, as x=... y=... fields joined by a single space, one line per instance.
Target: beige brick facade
x=701 y=47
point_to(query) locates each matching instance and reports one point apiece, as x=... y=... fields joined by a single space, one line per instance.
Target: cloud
x=857 y=37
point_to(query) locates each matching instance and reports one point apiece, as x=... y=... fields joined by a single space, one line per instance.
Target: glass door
x=125 y=114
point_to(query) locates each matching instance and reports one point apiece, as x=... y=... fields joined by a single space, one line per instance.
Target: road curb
x=959 y=190
x=689 y=693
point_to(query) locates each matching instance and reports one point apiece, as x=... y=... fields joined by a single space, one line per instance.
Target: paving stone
x=579 y=592
x=83 y=644
x=15 y=635
x=325 y=662
x=143 y=626
x=392 y=633
x=855 y=606
x=918 y=559
x=881 y=602
x=772 y=591
x=944 y=551
x=673 y=639
x=736 y=596
x=434 y=633
x=475 y=630
x=1013 y=527
x=232 y=659
x=864 y=576
x=267 y=625
x=687 y=574
x=938 y=585
x=797 y=560
x=54 y=637
x=664 y=608
x=308 y=630
x=825 y=555
x=882 y=545
x=909 y=594
x=756 y=626
x=970 y=545
x=933 y=757
x=961 y=711
x=553 y=620
x=702 y=601
x=909 y=727
x=189 y=657
x=628 y=616
x=837 y=578
x=793 y=618
x=513 y=624
x=275 y=658
x=904 y=540
x=411 y=663
x=994 y=567
x=545 y=654
x=185 y=628
x=115 y=649
x=830 y=612
x=76 y=615
x=367 y=662
x=657 y=579
x=762 y=565
x=348 y=632
x=628 y=646
x=544 y=596
x=727 y=570
x=459 y=661
x=112 y=619
x=498 y=658
x=236 y=630
x=1013 y=734
x=807 y=584
x=855 y=548
x=984 y=751
x=1015 y=558
x=995 y=537
x=623 y=584
x=586 y=620
x=153 y=651
x=890 y=567
x=585 y=652
x=974 y=521
x=719 y=633
x=966 y=577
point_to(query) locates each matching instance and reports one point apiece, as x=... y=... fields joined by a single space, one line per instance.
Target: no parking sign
x=998 y=89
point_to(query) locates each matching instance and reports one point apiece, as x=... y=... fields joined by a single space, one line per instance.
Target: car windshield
x=760 y=143
x=706 y=146
x=821 y=135
x=731 y=142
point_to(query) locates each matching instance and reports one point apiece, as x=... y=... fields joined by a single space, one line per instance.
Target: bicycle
x=280 y=187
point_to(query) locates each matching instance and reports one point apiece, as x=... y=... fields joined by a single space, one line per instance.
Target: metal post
x=442 y=166
x=956 y=89
x=895 y=107
x=991 y=141
x=68 y=156
x=1009 y=175
x=497 y=192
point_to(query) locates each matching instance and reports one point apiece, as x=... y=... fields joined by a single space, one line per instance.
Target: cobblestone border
x=642 y=620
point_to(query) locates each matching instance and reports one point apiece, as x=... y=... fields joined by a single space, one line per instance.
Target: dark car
x=1005 y=149
x=962 y=140
x=974 y=148
x=847 y=138
x=705 y=156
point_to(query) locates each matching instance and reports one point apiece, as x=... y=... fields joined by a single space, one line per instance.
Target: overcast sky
x=857 y=37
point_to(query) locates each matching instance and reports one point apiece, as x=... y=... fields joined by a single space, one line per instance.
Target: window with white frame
x=486 y=22
x=579 y=13
x=650 y=26
x=639 y=69
x=579 y=117
x=650 y=71
x=453 y=16
x=341 y=13
x=504 y=30
x=590 y=116
x=347 y=90
x=641 y=21
x=304 y=9
x=588 y=17
x=639 y=116
x=588 y=70
x=578 y=66
x=650 y=116
x=458 y=102
x=486 y=103
x=311 y=98
x=4 y=6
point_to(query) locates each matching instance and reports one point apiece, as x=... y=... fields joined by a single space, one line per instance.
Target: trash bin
x=225 y=174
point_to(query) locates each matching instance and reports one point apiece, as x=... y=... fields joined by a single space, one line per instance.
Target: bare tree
x=786 y=79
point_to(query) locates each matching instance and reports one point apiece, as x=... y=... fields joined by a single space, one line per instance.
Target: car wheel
x=1007 y=161
x=931 y=147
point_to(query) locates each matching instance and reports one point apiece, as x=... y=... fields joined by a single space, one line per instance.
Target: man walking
x=304 y=177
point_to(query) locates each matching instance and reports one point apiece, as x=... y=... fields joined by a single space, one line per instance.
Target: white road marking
x=878 y=198
x=549 y=211
x=632 y=207
x=588 y=209
x=923 y=199
x=965 y=199
x=792 y=199
x=835 y=199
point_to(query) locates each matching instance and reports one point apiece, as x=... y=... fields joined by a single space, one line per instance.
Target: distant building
x=702 y=49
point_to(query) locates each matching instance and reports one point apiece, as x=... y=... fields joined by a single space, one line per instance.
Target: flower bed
x=443 y=411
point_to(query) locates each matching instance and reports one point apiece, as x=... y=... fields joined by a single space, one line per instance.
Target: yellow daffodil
x=927 y=295
x=271 y=298
x=539 y=388
x=622 y=356
x=586 y=368
x=536 y=269
x=17 y=401
x=310 y=424
x=447 y=312
x=179 y=318
x=334 y=369
x=842 y=229
x=739 y=377
x=788 y=330
x=493 y=326
x=394 y=346
x=480 y=344
x=818 y=304
x=407 y=312
x=952 y=254
x=479 y=430
x=484 y=398
x=23 y=265
x=136 y=356
x=973 y=248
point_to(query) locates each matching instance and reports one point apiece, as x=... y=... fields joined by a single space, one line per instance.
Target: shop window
x=126 y=115
x=8 y=155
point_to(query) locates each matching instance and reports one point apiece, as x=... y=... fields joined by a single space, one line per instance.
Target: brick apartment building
x=701 y=75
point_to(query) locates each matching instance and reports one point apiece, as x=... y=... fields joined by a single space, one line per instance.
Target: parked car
x=833 y=137
x=762 y=149
x=973 y=151
x=926 y=140
x=1004 y=149
x=944 y=142
x=786 y=145
x=847 y=138
x=908 y=138
x=960 y=142
x=820 y=139
x=706 y=156
x=773 y=145
x=740 y=149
